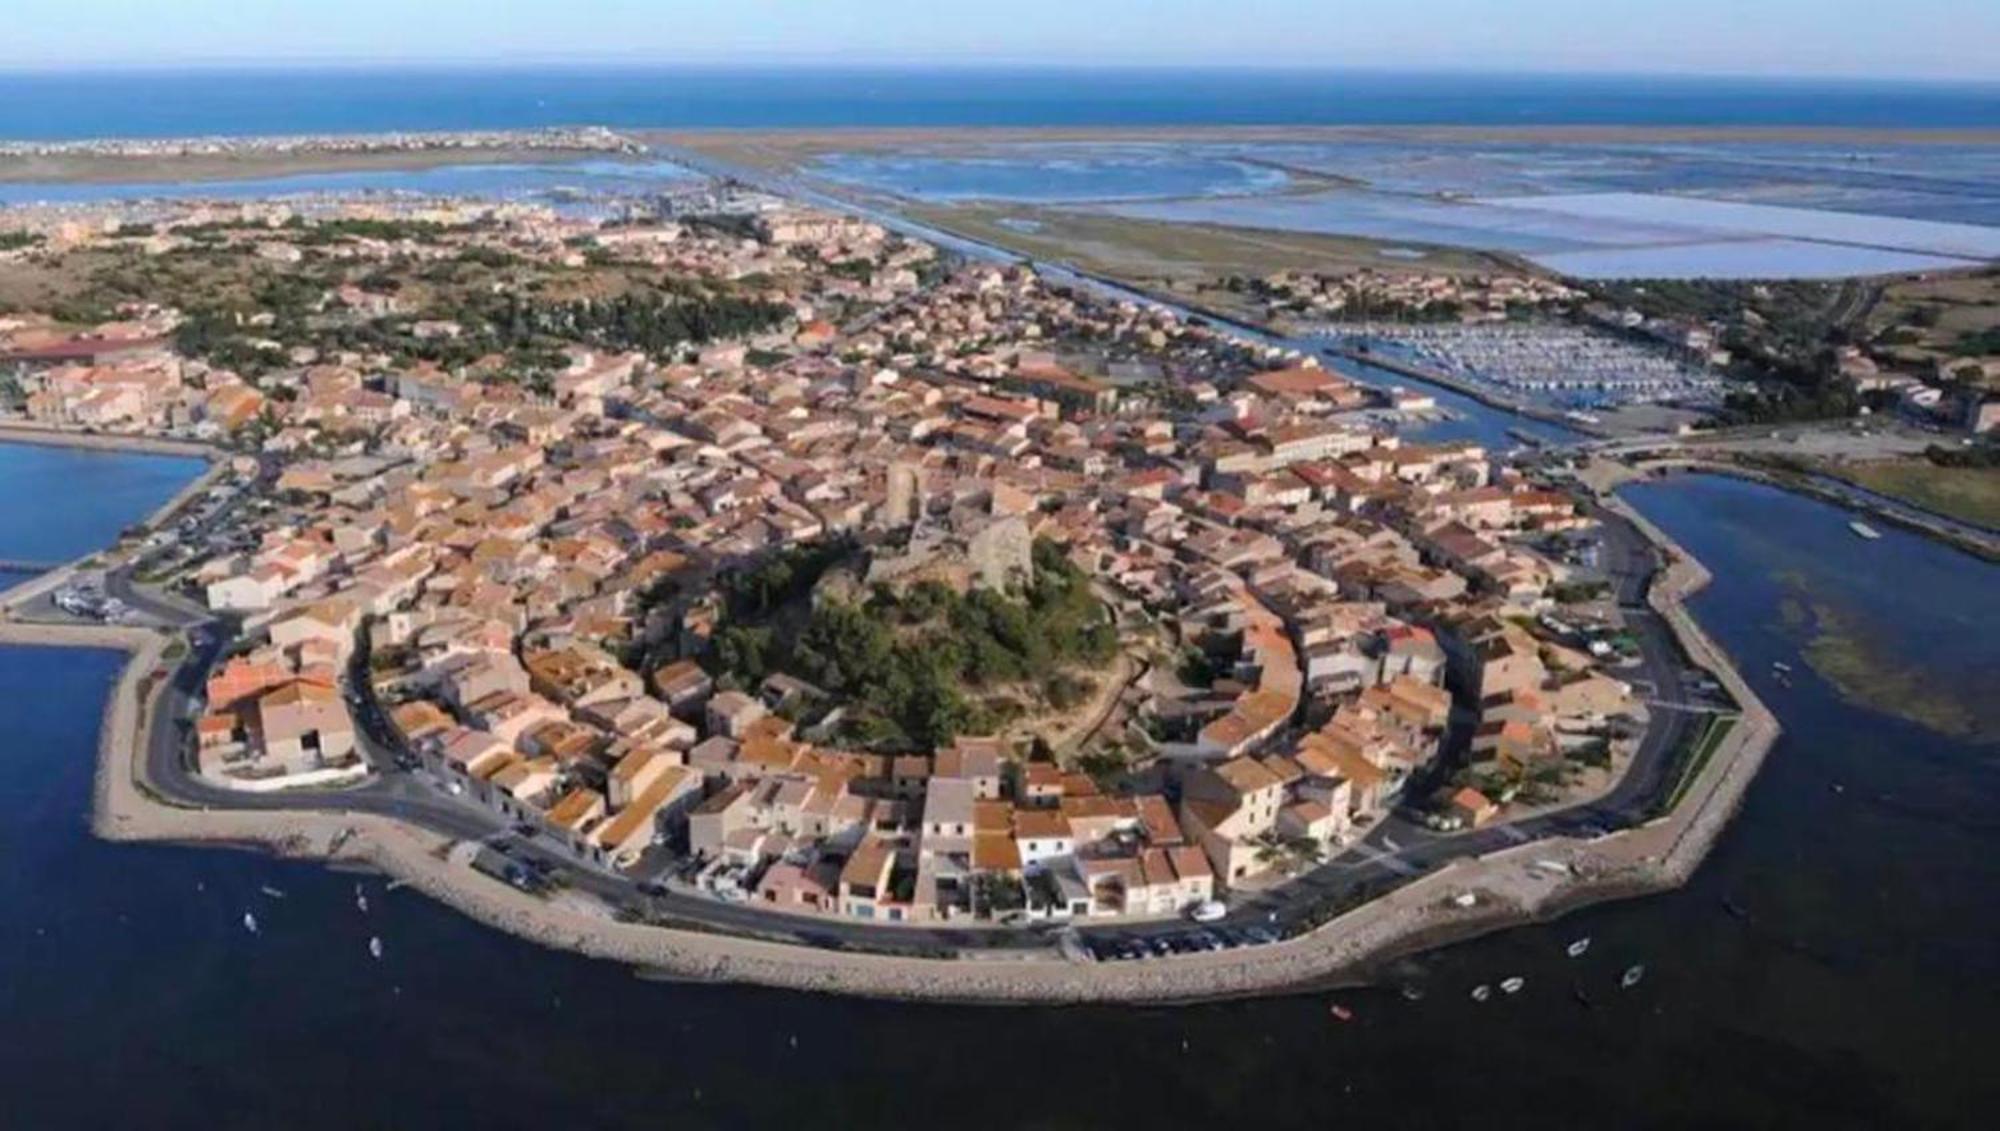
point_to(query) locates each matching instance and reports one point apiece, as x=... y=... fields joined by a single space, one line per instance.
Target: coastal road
x=1393 y=852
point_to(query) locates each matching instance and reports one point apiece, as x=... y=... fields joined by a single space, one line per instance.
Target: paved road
x=1392 y=852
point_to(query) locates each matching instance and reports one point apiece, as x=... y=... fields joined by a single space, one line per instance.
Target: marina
x=1748 y=533
x=1567 y=367
x=125 y=972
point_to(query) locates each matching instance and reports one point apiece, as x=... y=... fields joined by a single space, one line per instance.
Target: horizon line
x=278 y=65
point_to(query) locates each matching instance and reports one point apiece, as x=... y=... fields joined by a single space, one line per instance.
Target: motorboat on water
x=1632 y=975
x=1577 y=948
x=375 y=947
x=1513 y=985
x=1864 y=530
x=1341 y=1012
x=1482 y=992
x=274 y=893
x=250 y=922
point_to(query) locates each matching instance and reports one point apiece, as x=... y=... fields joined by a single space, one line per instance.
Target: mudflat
x=762 y=146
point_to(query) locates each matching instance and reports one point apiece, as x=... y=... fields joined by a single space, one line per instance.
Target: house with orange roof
x=1227 y=808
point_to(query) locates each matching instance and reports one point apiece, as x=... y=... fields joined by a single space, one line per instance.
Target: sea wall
x=26 y=432
x=1513 y=886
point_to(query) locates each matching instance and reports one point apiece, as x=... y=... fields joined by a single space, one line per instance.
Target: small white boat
x=1577 y=948
x=360 y=902
x=274 y=893
x=1513 y=985
x=1864 y=530
x=250 y=922
x=1632 y=976
x=375 y=947
x=1780 y=666
x=1481 y=993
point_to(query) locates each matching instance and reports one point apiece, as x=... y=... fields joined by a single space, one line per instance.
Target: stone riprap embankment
x=1513 y=886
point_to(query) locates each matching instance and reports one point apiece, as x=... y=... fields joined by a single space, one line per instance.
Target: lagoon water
x=1859 y=991
x=493 y=181
x=1052 y=174
x=1228 y=183
x=58 y=503
x=1862 y=988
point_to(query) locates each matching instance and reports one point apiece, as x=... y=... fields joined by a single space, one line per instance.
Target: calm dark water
x=1859 y=992
x=59 y=503
x=504 y=182
x=169 y=103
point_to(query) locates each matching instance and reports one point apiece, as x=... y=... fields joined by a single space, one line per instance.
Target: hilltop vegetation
x=245 y=311
x=912 y=668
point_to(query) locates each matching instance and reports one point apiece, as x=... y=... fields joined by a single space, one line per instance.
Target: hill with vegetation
x=909 y=669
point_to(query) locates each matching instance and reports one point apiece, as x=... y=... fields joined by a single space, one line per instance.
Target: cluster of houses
x=119 y=377
x=1377 y=294
x=502 y=555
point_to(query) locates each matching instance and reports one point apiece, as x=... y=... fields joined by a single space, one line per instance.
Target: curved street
x=1396 y=850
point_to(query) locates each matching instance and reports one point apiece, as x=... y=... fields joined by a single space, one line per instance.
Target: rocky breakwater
x=1717 y=791
x=1465 y=898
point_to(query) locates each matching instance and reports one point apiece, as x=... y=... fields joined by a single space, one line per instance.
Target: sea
x=57 y=105
x=1831 y=965
x=1869 y=206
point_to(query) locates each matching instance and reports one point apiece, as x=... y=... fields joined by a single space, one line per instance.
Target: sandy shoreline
x=1512 y=886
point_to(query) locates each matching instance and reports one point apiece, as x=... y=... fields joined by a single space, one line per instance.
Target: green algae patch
x=1865 y=675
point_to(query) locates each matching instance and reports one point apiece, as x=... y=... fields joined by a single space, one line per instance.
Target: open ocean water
x=161 y=103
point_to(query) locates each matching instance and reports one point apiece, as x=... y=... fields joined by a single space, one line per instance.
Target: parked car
x=1208 y=911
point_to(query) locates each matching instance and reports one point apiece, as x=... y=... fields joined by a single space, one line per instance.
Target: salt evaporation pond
x=1742 y=259
x=1725 y=217
x=1045 y=175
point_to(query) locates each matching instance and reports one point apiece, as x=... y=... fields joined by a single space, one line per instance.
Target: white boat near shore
x=1864 y=530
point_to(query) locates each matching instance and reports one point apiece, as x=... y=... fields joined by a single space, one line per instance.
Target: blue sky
x=1880 y=38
